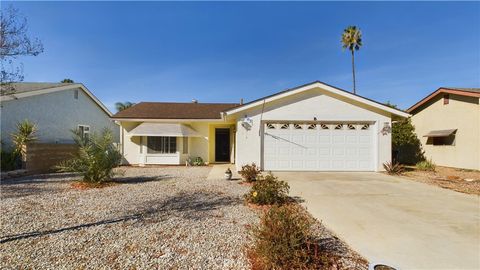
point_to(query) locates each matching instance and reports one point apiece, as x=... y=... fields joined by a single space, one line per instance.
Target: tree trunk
x=353 y=71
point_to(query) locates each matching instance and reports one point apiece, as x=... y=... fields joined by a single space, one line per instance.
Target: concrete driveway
x=392 y=220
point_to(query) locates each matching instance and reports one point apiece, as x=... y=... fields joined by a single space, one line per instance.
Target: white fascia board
x=165 y=120
x=321 y=86
x=57 y=89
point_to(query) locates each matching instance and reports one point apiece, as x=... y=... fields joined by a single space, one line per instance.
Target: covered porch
x=177 y=143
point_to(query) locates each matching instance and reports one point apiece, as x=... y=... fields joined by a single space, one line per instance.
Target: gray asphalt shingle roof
x=24 y=87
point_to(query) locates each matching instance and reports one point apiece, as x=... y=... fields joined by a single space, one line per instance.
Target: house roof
x=318 y=84
x=471 y=92
x=171 y=110
x=27 y=89
x=24 y=87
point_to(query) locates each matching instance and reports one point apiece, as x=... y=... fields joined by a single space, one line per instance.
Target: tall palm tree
x=352 y=40
x=122 y=106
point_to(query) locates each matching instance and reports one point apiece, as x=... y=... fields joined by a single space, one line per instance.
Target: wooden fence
x=42 y=157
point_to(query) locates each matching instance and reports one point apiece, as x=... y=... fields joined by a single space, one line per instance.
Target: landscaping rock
x=162 y=217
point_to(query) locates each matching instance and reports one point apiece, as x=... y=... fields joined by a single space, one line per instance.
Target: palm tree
x=122 y=106
x=352 y=40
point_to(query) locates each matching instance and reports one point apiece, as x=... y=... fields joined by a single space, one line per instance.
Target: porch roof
x=440 y=133
x=164 y=129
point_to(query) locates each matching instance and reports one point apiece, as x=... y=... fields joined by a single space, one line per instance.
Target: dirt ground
x=461 y=180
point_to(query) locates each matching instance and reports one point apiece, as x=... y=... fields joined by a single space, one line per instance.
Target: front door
x=222 y=145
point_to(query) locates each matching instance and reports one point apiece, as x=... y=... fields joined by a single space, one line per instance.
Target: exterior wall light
x=386 y=128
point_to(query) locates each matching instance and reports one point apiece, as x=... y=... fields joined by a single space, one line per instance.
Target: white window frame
x=165 y=144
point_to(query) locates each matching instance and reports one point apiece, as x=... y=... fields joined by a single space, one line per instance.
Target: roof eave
x=56 y=89
x=321 y=85
x=442 y=90
x=166 y=119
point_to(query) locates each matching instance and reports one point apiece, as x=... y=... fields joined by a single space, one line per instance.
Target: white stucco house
x=313 y=127
x=56 y=109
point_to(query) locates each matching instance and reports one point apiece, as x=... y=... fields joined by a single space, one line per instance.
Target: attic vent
x=75 y=94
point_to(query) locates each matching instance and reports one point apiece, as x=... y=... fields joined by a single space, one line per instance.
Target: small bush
x=195 y=161
x=96 y=158
x=284 y=240
x=198 y=161
x=268 y=190
x=9 y=160
x=250 y=172
x=393 y=167
x=426 y=165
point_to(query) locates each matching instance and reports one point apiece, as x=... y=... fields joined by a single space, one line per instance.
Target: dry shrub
x=284 y=240
x=268 y=190
x=250 y=172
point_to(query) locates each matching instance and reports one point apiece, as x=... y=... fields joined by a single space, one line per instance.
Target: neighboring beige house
x=313 y=127
x=56 y=109
x=447 y=122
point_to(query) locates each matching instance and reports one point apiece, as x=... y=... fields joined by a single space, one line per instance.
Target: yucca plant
x=393 y=167
x=96 y=158
x=24 y=134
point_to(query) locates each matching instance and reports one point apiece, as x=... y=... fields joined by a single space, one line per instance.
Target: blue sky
x=224 y=51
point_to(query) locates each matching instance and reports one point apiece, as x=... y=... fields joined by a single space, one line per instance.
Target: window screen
x=161 y=145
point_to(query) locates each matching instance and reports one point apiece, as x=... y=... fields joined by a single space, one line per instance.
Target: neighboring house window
x=447 y=140
x=185 y=145
x=75 y=94
x=141 y=145
x=161 y=145
x=84 y=131
x=446 y=99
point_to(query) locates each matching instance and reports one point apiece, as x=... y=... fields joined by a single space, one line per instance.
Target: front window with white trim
x=161 y=145
x=84 y=131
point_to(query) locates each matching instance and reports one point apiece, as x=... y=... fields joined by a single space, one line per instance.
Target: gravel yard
x=465 y=181
x=162 y=217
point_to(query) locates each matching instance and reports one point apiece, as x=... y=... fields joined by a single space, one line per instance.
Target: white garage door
x=318 y=147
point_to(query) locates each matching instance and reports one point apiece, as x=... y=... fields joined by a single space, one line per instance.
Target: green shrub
x=198 y=161
x=9 y=160
x=393 y=167
x=268 y=190
x=195 y=161
x=426 y=165
x=284 y=240
x=96 y=158
x=250 y=172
